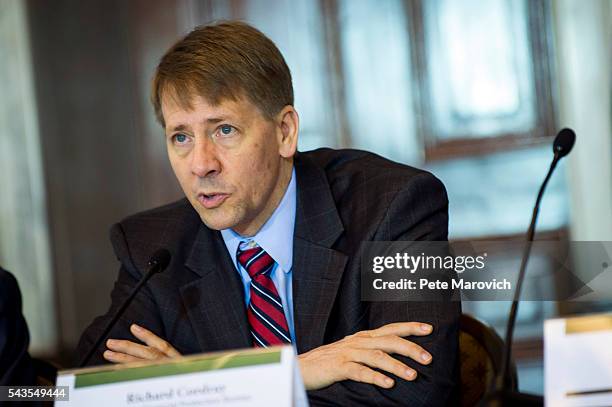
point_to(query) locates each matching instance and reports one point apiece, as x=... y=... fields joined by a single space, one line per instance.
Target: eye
x=180 y=139
x=226 y=130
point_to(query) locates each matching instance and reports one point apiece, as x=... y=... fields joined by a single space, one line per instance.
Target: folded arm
x=418 y=212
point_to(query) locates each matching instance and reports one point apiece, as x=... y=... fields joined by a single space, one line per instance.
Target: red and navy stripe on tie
x=265 y=312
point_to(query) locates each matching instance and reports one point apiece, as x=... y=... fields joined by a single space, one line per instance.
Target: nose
x=204 y=160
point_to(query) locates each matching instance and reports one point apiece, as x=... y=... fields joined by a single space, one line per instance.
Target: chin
x=217 y=222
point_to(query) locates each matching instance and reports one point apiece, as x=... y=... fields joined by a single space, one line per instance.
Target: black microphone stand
x=501 y=393
x=159 y=261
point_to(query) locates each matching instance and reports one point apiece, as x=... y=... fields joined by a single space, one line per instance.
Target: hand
x=353 y=357
x=123 y=351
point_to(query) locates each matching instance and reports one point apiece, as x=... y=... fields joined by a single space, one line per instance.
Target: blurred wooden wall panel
x=24 y=234
x=103 y=158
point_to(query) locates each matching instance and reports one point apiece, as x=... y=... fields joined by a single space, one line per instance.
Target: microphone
x=564 y=142
x=157 y=263
x=501 y=394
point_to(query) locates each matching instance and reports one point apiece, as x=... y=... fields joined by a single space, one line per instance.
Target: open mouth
x=212 y=200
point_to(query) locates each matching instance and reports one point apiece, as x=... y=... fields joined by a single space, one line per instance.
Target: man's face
x=233 y=164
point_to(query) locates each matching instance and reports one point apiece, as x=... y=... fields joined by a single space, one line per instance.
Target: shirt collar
x=276 y=235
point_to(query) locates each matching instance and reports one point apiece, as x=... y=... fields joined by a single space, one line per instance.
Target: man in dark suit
x=266 y=246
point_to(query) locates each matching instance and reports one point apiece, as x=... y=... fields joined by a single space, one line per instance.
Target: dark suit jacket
x=344 y=197
x=16 y=367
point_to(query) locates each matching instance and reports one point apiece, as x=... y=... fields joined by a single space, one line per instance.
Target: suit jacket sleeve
x=419 y=211
x=142 y=310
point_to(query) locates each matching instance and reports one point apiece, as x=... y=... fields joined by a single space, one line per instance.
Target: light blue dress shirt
x=276 y=238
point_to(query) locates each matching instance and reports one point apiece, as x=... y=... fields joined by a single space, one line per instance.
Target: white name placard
x=250 y=377
x=578 y=361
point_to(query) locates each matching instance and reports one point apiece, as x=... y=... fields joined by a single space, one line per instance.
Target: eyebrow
x=180 y=127
x=212 y=120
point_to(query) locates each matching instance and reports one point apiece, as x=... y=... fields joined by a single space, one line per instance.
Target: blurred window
x=479 y=67
x=484 y=71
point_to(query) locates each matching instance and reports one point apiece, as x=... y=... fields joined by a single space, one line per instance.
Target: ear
x=288 y=126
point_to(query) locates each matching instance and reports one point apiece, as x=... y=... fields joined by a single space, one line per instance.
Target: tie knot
x=255 y=261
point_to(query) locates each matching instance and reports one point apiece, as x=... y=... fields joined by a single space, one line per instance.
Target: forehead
x=199 y=109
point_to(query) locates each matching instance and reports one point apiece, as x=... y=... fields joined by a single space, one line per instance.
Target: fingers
x=358 y=357
x=402 y=329
x=124 y=351
x=117 y=357
x=133 y=349
x=380 y=360
x=364 y=374
x=394 y=344
x=153 y=341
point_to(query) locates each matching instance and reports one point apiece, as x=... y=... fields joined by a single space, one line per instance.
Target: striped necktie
x=265 y=312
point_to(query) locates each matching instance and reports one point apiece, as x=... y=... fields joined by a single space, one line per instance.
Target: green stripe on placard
x=212 y=362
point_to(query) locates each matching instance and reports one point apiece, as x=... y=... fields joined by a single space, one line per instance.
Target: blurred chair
x=480 y=354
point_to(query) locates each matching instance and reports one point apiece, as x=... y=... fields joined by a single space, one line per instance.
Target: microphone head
x=160 y=259
x=564 y=142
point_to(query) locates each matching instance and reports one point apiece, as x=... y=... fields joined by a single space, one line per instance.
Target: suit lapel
x=214 y=299
x=317 y=269
x=213 y=296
